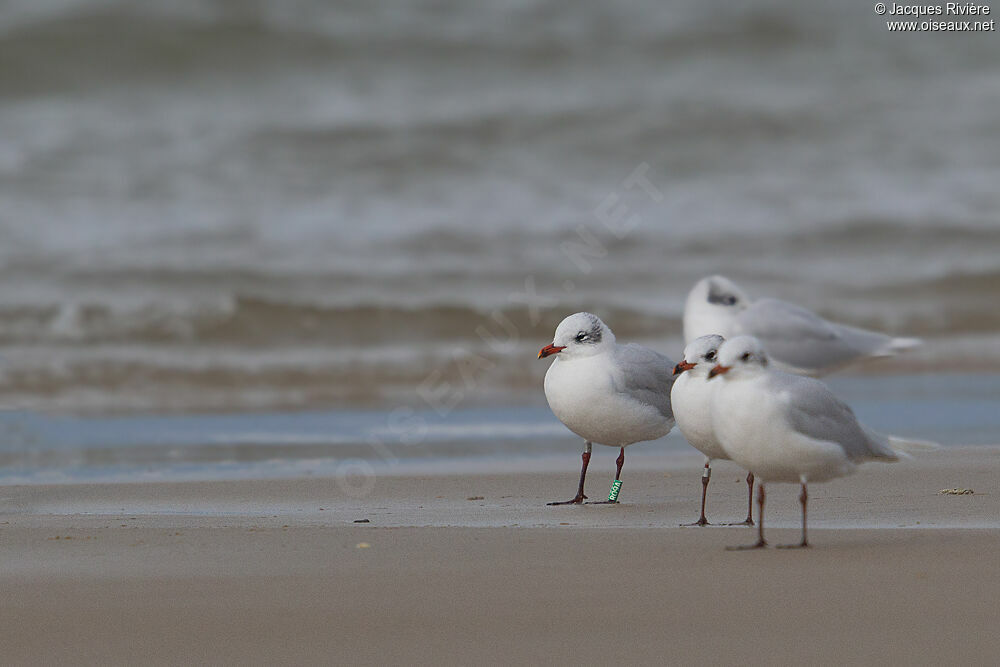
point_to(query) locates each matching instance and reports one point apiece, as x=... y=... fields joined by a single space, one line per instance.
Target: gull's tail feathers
x=897 y=345
x=908 y=446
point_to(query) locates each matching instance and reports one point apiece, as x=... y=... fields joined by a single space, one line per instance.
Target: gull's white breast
x=583 y=393
x=703 y=319
x=691 y=400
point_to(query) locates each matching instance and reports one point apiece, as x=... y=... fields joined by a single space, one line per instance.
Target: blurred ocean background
x=304 y=211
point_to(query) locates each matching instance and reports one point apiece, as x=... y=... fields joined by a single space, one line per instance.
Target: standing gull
x=788 y=428
x=691 y=400
x=796 y=340
x=606 y=393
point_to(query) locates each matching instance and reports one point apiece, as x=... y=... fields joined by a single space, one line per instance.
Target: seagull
x=797 y=340
x=606 y=393
x=691 y=400
x=788 y=428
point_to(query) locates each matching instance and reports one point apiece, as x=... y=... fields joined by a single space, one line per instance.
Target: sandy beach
x=457 y=569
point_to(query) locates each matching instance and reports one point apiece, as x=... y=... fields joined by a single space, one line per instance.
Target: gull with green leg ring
x=606 y=393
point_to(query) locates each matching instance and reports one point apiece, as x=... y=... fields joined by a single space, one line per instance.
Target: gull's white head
x=743 y=355
x=720 y=291
x=700 y=355
x=711 y=305
x=579 y=335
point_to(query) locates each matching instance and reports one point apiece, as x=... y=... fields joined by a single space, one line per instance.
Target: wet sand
x=278 y=572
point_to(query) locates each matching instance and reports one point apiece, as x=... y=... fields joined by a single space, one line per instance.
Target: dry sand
x=257 y=572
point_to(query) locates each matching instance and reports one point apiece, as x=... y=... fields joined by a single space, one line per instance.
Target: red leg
x=705 y=476
x=761 y=542
x=749 y=519
x=804 y=499
x=583 y=476
x=618 y=476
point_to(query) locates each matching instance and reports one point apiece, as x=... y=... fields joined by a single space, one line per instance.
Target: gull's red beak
x=683 y=366
x=550 y=349
x=719 y=370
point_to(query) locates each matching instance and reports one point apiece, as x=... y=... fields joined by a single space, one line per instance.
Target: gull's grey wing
x=814 y=411
x=799 y=338
x=647 y=376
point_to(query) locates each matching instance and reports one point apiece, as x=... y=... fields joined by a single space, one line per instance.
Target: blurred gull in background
x=796 y=339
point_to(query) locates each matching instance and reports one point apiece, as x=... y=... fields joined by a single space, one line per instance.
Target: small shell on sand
x=956 y=492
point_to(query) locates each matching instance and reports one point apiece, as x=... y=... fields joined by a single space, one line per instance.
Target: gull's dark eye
x=580 y=337
x=710 y=356
x=729 y=300
x=746 y=356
